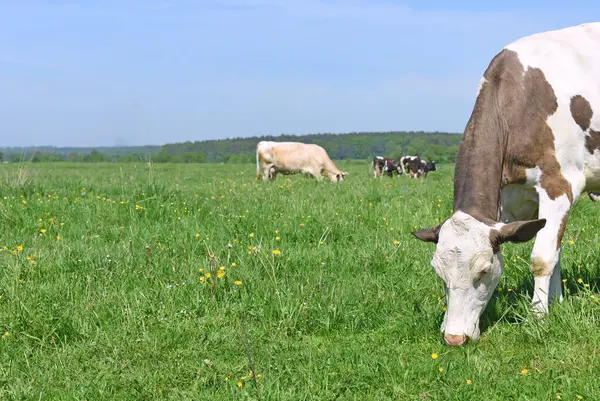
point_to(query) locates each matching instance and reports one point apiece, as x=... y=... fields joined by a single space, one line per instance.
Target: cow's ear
x=430 y=234
x=517 y=231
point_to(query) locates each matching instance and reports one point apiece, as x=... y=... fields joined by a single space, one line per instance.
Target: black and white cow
x=385 y=165
x=531 y=147
x=404 y=160
x=419 y=168
x=416 y=167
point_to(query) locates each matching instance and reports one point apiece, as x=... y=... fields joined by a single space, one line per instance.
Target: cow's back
x=555 y=80
x=291 y=155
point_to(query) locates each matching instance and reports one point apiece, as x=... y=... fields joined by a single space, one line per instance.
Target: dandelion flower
x=441 y=369
x=233 y=265
x=396 y=242
x=277 y=238
x=301 y=224
x=276 y=252
x=220 y=274
x=43 y=231
x=469 y=381
x=251 y=235
x=197 y=235
x=237 y=282
x=240 y=384
x=434 y=356
x=524 y=372
x=6 y=334
x=19 y=248
x=580 y=280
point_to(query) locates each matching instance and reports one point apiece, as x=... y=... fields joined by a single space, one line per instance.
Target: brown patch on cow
x=539 y=267
x=582 y=113
x=561 y=230
x=592 y=142
x=506 y=134
x=581 y=110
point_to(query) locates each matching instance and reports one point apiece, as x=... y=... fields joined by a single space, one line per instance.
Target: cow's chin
x=461 y=321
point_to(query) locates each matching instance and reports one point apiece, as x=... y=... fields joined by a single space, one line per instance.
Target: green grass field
x=200 y=282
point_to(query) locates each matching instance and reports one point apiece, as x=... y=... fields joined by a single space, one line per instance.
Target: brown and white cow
x=385 y=165
x=404 y=160
x=294 y=157
x=529 y=150
x=418 y=167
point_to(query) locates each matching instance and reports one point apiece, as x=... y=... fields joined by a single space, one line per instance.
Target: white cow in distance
x=295 y=157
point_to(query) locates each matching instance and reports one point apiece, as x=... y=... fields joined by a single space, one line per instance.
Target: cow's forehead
x=463 y=231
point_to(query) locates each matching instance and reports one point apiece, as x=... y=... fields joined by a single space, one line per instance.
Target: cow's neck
x=478 y=173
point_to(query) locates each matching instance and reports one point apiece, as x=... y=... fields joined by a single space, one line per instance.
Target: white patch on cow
x=481 y=82
x=379 y=157
x=470 y=270
x=518 y=202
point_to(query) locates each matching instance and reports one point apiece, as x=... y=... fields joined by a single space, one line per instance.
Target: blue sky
x=94 y=73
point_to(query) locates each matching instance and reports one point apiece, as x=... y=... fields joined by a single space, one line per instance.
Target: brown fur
x=582 y=113
x=507 y=133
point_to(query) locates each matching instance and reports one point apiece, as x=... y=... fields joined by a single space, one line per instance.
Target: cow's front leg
x=545 y=257
x=266 y=172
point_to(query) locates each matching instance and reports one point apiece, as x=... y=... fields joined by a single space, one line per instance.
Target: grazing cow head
x=468 y=260
x=341 y=176
x=431 y=166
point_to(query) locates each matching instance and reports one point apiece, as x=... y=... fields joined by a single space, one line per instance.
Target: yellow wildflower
x=251 y=235
x=276 y=252
x=434 y=356
x=396 y=242
x=524 y=372
x=580 y=280
x=237 y=282
x=469 y=381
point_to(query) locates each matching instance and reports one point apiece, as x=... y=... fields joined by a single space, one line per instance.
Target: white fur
x=468 y=289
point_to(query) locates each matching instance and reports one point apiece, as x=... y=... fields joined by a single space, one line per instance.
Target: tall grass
x=200 y=282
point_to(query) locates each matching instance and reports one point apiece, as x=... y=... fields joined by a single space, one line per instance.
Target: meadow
x=174 y=281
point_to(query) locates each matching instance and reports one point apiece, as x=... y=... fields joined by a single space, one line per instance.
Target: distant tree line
x=439 y=146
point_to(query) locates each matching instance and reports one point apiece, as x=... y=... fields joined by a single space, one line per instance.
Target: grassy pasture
x=318 y=288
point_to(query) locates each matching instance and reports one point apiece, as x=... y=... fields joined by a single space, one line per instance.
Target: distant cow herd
x=311 y=159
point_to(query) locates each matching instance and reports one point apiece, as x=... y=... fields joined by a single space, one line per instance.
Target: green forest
x=438 y=146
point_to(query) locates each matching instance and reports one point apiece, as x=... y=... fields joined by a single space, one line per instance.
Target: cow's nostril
x=454 y=340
